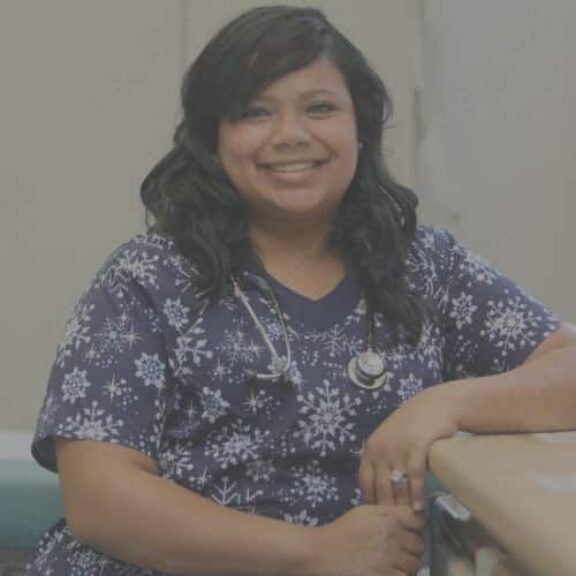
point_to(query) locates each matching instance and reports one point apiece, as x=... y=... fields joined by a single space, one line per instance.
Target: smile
x=293 y=167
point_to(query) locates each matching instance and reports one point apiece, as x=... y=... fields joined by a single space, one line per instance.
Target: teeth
x=295 y=167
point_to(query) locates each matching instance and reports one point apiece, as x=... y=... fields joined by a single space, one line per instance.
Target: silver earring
x=360 y=145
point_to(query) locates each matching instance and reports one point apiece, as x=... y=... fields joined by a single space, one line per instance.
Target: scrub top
x=147 y=364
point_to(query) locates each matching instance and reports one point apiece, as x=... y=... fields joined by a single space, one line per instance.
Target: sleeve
x=110 y=380
x=491 y=325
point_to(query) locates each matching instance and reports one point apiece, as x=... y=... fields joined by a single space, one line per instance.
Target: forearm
x=540 y=395
x=153 y=523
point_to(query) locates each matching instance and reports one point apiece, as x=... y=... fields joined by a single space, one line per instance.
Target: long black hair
x=193 y=201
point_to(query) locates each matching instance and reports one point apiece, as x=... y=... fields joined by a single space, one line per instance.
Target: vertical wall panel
x=89 y=99
x=497 y=159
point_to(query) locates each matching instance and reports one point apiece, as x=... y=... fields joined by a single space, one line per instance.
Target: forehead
x=320 y=77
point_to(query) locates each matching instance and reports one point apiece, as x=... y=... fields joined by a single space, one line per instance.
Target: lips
x=293 y=166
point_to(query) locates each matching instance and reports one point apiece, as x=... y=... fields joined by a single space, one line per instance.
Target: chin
x=305 y=211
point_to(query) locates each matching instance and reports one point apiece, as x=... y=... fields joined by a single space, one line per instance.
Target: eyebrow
x=307 y=94
x=320 y=91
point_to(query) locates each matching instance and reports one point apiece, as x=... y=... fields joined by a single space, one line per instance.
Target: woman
x=252 y=386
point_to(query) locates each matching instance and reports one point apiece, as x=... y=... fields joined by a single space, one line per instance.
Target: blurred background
x=484 y=129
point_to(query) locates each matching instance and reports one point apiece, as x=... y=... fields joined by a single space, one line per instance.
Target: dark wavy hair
x=193 y=201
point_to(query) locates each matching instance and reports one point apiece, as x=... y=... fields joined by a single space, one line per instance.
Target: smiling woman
x=293 y=152
x=292 y=85
x=252 y=386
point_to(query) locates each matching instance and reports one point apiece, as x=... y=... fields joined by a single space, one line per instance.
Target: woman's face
x=293 y=153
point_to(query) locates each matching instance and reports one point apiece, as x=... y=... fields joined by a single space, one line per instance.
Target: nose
x=290 y=130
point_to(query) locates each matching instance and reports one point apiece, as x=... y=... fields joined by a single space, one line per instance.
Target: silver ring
x=399 y=477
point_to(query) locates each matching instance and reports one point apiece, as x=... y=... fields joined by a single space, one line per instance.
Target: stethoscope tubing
x=287 y=363
x=365 y=370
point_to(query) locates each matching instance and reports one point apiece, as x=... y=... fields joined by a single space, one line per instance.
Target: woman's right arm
x=115 y=502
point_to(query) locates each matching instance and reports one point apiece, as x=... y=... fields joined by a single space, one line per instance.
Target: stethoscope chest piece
x=367 y=371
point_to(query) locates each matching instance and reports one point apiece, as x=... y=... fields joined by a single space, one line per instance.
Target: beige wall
x=89 y=94
x=89 y=102
x=498 y=151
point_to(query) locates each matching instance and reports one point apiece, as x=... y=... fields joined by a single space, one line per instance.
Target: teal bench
x=29 y=503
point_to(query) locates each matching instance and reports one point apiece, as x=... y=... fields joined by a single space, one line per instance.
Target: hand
x=370 y=541
x=401 y=443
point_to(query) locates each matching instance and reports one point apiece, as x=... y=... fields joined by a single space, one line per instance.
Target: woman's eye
x=321 y=108
x=254 y=112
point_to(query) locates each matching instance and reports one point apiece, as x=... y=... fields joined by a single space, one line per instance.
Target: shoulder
x=446 y=254
x=150 y=262
x=431 y=242
x=431 y=254
x=142 y=254
x=436 y=261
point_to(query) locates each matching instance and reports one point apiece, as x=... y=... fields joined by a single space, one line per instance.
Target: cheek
x=237 y=156
x=239 y=143
x=348 y=152
x=342 y=137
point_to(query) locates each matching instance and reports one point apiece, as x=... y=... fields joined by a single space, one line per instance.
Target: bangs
x=285 y=47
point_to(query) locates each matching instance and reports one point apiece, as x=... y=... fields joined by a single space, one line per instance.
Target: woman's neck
x=299 y=257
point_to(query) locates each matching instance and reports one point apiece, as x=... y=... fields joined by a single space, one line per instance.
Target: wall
x=89 y=103
x=498 y=135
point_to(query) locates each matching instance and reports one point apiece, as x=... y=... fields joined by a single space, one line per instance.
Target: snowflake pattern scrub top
x=144 y=365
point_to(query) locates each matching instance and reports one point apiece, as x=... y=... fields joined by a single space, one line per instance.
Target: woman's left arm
x=539 y=395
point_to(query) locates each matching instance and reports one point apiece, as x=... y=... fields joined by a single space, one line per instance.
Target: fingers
x=366 y=478
x=412 y=543
x=417 y=473
x=407 y=563
x=392 y=486
x=401 y=490
x=378 y=485
x=409 y=545
x=417 y=493
x=413 y=521
x=383 y=484
x=409 y=557
x=407 y=519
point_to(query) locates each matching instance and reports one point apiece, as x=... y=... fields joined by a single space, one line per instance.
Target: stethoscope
x=365 y=370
